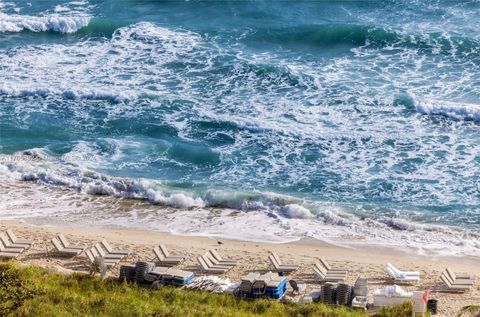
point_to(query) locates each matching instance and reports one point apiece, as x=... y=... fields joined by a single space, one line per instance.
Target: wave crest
x=56 y=23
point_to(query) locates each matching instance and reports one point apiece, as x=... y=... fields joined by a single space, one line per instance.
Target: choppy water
x=357 y=115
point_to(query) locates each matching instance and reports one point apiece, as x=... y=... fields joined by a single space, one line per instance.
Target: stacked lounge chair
x=164 y=258
x=141 y=270
x=14 y=239
x=328 y=276
x=206 y=266
x=279 y=266
x=60 y=249
x=360 y=294
x=327 y=293
x=246 y=284
x=343 y=294
x=269 y=285
x=456 y=282
x=169 y=276
x=9 y=252
x=402 y=276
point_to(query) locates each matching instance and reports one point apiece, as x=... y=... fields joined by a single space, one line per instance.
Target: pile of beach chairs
x=272 y=284
x=268 y=285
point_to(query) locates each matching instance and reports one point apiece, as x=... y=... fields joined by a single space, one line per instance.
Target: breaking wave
x=56 y=23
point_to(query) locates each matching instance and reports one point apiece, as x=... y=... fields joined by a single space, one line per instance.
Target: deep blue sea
x=360 y=115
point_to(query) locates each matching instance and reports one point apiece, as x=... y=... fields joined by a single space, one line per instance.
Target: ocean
x=344 y=121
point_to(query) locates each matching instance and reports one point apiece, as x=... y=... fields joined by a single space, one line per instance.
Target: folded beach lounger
x=61 y=250
x=206 y=266
x=10 y=245
x=110 y=250
x=215 y=255
x=402 y=276
x=14 y=239
x=454 y=283
x=68 y=245
x=164 y=258
x=279 y=266
x=329 y=268
x=105 y=255
x=325 y=276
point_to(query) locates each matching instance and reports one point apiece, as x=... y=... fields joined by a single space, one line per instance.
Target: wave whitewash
x=349 y=115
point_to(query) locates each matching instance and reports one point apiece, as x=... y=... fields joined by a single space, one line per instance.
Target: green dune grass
x=33 y=291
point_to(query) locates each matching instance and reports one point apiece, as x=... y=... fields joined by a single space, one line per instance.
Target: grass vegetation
x=33 y=291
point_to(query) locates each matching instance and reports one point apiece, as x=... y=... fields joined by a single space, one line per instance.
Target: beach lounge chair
x=92 y=255
x=61 y=250
x=14 y=239
x=207 y=266
x=455 y=283
x=105 y=255
x=402 y=276
x=9 y=253
x=218 y=258
x=216 y=262
x=329 y=268
x=279 y=266
x=110 y=250
x=67 y=244
x=325 y=276
x=164 y=258
x=9 y=245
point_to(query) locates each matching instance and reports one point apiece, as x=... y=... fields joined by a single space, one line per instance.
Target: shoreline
x=40 y=203
x=368 y=262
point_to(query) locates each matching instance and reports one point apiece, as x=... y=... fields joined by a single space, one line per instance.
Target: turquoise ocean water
x=352 y=114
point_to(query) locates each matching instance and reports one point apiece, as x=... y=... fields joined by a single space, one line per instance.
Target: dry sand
x=367 y=262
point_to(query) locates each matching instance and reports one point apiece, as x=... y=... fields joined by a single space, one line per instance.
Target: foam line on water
x=56 y=23
x=455 y=110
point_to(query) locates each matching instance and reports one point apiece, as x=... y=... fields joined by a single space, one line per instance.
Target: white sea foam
x=455 y=110
x=57 y=23
x=296 y=211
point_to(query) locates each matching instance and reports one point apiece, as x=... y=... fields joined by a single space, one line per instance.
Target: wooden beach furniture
x=215 y=262
x=9 y=253
x=68 y=245
x=279 y=266
x=330 y=269
x=10 y=245
x=456 y=283
x=326 y=276
x=93 y=255
x=105 y=255
x=164 y=257
x=110 y=250
x=207 y=266
x=61 y=250
x=217 y=257
x=11 y=235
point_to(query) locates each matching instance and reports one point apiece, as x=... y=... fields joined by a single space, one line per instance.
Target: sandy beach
x=363 y=262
